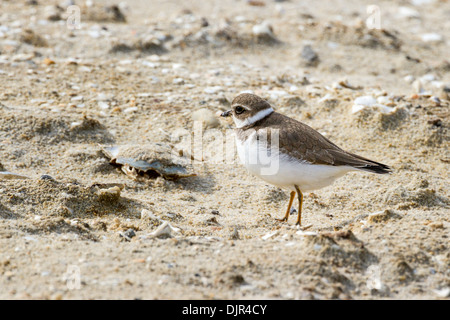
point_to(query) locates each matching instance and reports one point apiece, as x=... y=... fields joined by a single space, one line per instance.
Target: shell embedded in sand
x=149 y=161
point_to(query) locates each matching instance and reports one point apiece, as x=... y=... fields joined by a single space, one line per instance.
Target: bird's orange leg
x=300 y=204
x=286 y=216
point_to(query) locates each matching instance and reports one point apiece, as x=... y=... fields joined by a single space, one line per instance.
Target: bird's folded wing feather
x=301 y=141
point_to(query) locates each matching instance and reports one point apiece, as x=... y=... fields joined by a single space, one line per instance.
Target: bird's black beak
x=226 y=113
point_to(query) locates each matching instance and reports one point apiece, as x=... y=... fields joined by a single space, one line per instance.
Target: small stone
x=48 y=61
x=178 y=81
x=77 y=98
x=103 y=105
x=264 y=33
x=47 y=177
x=109 y=195
x=212 y=222
x=409 y=79
x=436 y=100
x=310 y=57
x=129 y=234
x=407 y=12
x=236 y=279
x=431 y=37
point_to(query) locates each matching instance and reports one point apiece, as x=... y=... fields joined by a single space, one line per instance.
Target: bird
x=288 y=153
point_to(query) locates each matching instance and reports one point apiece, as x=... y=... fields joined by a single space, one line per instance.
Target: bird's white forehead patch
x=251 y=120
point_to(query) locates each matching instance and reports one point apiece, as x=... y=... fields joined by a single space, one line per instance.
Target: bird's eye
x=239 y=109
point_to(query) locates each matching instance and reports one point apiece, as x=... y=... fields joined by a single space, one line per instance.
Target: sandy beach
x=77 y=77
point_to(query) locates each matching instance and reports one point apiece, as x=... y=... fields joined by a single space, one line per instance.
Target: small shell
x=149 y=161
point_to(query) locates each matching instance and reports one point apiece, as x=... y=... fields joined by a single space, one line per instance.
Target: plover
x=288 y=153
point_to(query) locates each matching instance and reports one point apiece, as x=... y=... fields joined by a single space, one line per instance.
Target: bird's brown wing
x=303 y=142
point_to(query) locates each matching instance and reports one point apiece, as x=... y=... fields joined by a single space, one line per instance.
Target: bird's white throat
x=251 y=120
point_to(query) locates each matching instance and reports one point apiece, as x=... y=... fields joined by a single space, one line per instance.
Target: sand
x=73 y=226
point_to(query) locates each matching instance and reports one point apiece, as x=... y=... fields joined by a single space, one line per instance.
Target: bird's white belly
x=285 y=171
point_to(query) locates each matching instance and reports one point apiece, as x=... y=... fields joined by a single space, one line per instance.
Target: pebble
x=103 y=105
x=150 y=64
x=409 y=79
x=48 y=61
x=178 y=81
x=77 y=98
x=262 y=29
x=436 y=100
x=128 y=235
x=264 y=32
x=47 y=177
x=109 y=195
x=407 y=12
x=310 y=57
x=431 y=37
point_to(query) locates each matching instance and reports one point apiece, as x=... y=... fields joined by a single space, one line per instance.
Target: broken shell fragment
x=5 y=175
x=149 y=161
x=165 y=230
x=364 y=102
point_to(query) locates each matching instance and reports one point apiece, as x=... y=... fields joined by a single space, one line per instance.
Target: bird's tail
x=372 y=166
